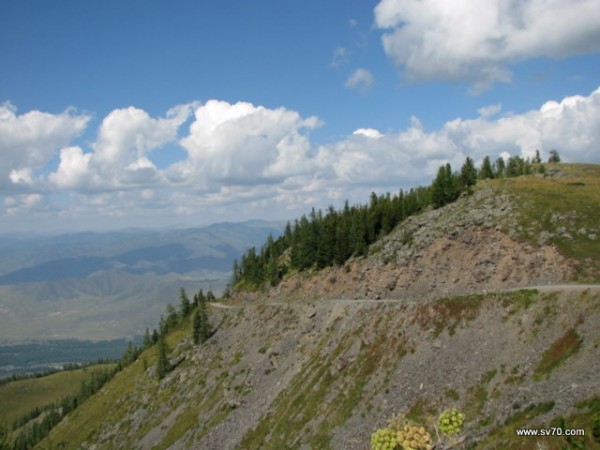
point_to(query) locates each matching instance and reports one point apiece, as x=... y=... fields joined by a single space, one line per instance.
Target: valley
x=487 y=305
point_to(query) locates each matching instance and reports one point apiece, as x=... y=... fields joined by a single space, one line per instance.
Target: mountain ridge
x=325 y=357
x=57 y=285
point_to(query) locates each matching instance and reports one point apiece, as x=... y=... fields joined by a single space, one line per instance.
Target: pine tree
x=199 y=297
x=468 y=173
x=500 y=167
x=445 y=187
x=162 y=325
x=196 y=326
x=515 y=166
x=210 y=297
x=172 y=317
x=486 y=169
x=147 y=342
x=162 y=364
x=201 y=329
x=554 y=157
x=236 y=276
x=185 y=306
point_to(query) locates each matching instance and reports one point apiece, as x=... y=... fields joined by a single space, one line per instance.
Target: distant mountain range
x=114 y=284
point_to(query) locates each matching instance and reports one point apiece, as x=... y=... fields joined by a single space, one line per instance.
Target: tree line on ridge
x=330 y=238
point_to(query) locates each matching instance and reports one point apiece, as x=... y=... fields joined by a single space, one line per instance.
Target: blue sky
x=148 y=113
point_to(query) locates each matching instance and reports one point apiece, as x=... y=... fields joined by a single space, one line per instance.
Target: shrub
x=451 y=421
x=384 y=439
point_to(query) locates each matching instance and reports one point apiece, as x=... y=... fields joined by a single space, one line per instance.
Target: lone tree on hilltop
x=554 y=157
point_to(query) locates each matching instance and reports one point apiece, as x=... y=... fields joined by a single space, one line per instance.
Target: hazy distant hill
x=114 y=284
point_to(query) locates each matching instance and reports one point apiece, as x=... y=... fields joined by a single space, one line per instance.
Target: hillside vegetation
x=22 y=396
x=471 y=305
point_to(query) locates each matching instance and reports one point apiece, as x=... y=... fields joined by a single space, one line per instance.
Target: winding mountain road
x=541 y=288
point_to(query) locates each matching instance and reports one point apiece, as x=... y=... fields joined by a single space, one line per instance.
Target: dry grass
x=566 y=345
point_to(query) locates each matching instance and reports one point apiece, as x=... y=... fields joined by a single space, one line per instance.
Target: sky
x=146 y=113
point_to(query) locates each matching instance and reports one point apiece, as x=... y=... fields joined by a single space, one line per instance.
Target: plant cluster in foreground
x=403 y=434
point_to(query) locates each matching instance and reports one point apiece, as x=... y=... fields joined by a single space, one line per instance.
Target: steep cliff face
x=436 y=316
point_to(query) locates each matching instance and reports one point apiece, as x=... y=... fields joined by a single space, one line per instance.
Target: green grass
x=115 y=399
x=547 y=204
x=20 y=397
x=184 y=422
x=295 y=409
x=520 y=300
x=448 y=313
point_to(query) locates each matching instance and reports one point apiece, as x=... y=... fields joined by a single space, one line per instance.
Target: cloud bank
x=246 y=161
x=476 y=41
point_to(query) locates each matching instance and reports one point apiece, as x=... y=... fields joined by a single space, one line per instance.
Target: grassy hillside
x=435 y=317
x=20 y=397
x=563 y=209
x=326 y=375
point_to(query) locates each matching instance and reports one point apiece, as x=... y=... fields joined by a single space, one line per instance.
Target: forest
x=331 y=237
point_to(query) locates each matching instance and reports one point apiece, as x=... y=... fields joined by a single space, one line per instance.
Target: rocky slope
x=466 y=247
x=435 y=317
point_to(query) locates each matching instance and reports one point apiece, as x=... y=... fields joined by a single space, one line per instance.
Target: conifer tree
x=185 y=306
x=554 y=157
x=500 y=167
x=515 y=166
x=486 y=169
x=444 y=187
x=162 y=325
x=468 y=173
x=210 y=297
x=201 y=329
x=196 y=326
x=147 y=342
x=199 y=297
x=172 y=317
x=162 y=364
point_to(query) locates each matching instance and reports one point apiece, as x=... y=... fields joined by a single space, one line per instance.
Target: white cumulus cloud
x=73 y=168
x=368 y=132
x=477 y=40
x=29 y=141
x=119 y=157
x=244 y=144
